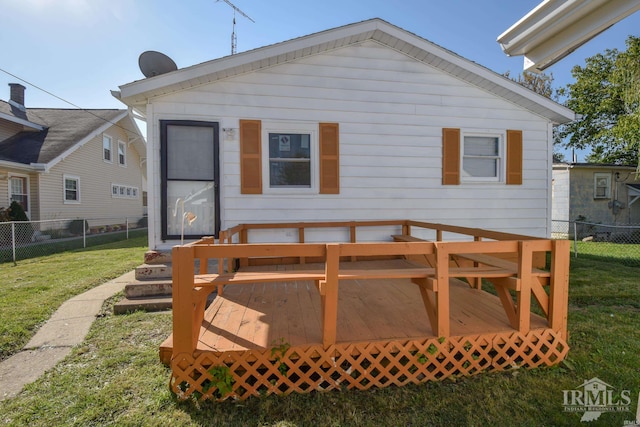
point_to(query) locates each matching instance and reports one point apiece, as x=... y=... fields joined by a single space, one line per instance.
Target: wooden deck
x=369 y=314
x=255 y=316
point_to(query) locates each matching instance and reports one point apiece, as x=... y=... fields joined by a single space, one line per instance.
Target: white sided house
x=361 y=122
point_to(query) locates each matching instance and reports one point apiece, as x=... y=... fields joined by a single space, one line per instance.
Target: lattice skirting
x=360 y=366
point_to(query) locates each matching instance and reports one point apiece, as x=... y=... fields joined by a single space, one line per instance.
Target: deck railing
x=514 y=264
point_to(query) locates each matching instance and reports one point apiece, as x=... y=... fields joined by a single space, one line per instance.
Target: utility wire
x=64 y=100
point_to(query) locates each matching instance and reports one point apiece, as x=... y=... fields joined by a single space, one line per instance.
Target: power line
x=65 y=101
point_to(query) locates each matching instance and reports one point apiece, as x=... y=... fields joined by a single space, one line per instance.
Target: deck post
x=442 y=295
x=330 y=296
x=184 y=331
x=523 y=304
x=559 y=287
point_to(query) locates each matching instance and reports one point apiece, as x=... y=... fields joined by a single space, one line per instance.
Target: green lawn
x=115 y=377
x=33 y=289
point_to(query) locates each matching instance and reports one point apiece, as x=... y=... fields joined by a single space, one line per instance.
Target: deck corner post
x=442 y=295
x=184 y=332
x=330 y=297
x=559 y=286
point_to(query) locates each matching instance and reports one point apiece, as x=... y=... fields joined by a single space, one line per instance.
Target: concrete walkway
x=53 y=342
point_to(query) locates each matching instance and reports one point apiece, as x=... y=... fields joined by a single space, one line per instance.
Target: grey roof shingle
x=64 y=128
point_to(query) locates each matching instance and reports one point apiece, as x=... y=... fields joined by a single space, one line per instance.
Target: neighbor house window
x=124 y=191
x=106 y=148
x=18 y=191
x=122 y=153
x=481 y=158
x=289 y=160
x=71 y=189
x=601 y=185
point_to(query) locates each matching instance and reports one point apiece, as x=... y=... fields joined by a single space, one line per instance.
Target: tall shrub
x=24 y=231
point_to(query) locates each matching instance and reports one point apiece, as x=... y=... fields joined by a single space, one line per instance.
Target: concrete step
x=153 y=271
x=147 y=288
x=157 y=303
x=157 y=257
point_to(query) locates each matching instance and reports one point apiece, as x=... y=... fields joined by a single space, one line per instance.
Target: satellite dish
x=154 y=63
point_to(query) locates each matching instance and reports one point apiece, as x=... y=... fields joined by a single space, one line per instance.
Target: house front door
x=190 y=200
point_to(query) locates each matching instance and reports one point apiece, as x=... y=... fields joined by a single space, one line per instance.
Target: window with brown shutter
x=329 y=158
x=288 y=165
x=250 y=157
x=480 y=157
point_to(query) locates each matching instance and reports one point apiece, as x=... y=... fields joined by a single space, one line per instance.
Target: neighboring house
x=70 y=163
x=361 y=122
x=596 y=193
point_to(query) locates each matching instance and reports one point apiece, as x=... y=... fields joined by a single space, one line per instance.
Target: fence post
x=13 y=241
x=84 y=233
x=126 y=221
x=575 y=240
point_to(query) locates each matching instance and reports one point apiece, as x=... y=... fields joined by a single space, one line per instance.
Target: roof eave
x=22 y=122
x=555 y=28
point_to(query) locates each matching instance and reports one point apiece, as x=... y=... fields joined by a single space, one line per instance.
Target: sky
x=80 y=50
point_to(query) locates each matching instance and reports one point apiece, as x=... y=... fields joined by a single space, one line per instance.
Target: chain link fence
x=604 y=240
x=29 y=239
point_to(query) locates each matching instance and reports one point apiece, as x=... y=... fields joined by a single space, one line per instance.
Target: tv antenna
x=234 y=39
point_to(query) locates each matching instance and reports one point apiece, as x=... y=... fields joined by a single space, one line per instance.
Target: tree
x=542 y=84
x=606 y=96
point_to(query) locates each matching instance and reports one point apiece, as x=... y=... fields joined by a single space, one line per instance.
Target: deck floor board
x=259 y=316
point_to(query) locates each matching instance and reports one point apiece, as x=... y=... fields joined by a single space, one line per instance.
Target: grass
x=33 y=289
x=627 y=254
x=115 y=378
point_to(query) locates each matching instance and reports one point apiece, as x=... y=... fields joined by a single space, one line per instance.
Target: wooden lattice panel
x=361 y=365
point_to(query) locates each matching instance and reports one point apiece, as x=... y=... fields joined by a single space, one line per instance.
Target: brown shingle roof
x=64 y=128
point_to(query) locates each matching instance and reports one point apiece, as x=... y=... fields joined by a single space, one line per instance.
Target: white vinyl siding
x=391 y=110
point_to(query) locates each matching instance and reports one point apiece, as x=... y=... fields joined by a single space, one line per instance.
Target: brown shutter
x=250 y=157
x=514 y=157
x=450 y=156
x=329 y=158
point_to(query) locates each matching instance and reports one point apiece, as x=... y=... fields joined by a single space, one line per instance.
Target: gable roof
x=62 y=132
x=137 y=93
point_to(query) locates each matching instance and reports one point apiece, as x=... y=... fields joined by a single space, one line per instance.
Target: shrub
x=4 y=215
x=24 y=231
x=142 y=222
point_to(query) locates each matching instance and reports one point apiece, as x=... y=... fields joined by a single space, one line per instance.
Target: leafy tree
x=542 y=84
x=606 y=95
